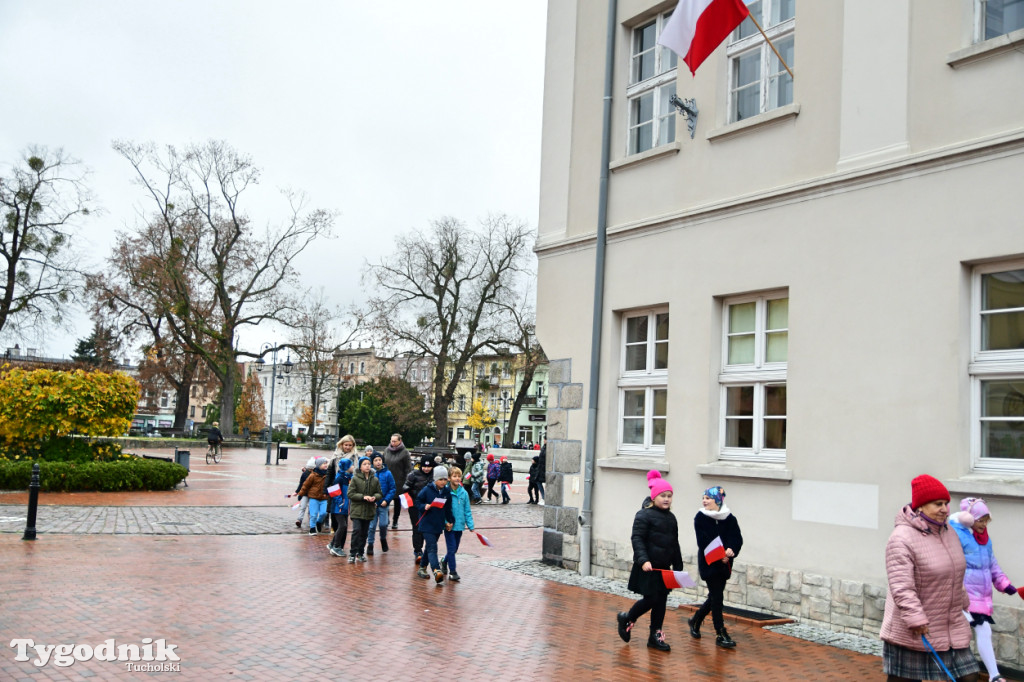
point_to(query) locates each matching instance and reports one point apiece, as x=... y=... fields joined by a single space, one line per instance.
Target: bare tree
x=220 y=272
x=530 y=355
x=445 y=294
x=42 y=202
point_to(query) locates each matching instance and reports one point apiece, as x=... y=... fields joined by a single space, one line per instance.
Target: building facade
x=852 y=232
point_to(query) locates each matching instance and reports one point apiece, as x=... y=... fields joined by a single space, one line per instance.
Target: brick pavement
x=275 y=606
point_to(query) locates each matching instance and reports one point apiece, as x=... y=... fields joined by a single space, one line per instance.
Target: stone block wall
x=564 y=463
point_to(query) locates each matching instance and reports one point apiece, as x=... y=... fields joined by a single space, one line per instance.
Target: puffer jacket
x=362 y=486
x=707 y=527
x=655 y=538
x=982 y=569
x=387 y=486
x=417 y=481
x=461 y=509
x=313 y=486
x=339 y=504
x=925 y=565
x=478 y=471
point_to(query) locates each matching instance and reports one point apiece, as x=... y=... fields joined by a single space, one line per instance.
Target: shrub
x=133 y=473
x=65 y=449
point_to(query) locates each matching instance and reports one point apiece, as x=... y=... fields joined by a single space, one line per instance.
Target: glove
x=1010 y=589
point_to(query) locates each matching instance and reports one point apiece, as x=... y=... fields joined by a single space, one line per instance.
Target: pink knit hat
x=656 y=483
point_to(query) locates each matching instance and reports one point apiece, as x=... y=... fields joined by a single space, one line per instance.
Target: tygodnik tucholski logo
x=150 y=656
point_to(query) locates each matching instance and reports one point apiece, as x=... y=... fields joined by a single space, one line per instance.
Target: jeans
x=452 y=540
x=656 y=605
x=475 y=491
x=379 y=520
x=341 y=534
x=505 y=487
x=716 y=597
x=540 y=488
x=430 y=551
x=359 y=529
x=317 y=511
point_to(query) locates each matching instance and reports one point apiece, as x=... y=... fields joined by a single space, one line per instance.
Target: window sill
x=754 y=470
x=988 y=485
x=984 y=50
x=634 y=463
x=754 y=122
x=643 y=157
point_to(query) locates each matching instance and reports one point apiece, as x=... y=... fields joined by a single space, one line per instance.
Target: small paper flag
x=714 y=551
x=676 y=579
x=437 y=503
x=484 y=540
x=406 y=500
x=296 y=505
x=334 y=490
x=1020 y=591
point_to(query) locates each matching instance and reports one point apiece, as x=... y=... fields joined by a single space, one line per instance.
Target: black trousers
x=417 y=536
x=360 y=529
x=340 y=531
x=656 y=605
x=713 y=604
x=490 y=488
x=398 y=513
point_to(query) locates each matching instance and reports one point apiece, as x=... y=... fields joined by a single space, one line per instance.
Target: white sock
x=983 y=634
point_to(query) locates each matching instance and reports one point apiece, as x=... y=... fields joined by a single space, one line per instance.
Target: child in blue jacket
x=388 y=488
x=434 y=520
x=463 y=519
x=339 y=507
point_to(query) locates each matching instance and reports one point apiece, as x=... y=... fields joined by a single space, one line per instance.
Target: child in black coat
x=531 y=488
x=655 y=548
x=714 y=520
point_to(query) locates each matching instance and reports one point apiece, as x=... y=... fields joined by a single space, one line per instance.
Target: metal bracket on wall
x=688 y=109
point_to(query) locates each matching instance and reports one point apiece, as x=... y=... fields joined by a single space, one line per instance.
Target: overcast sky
x=393 y=114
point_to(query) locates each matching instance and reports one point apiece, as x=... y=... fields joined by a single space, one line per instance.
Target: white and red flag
x=676 y=579
x=484 y=540
x=334 y=490
x=296 y=505
x=715 y=551
x=697 y=27
x=437 y=503
x=406 y=500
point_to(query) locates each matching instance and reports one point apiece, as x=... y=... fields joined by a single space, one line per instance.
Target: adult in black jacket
x=414 y=483
x=714 y=520
x=655 y=541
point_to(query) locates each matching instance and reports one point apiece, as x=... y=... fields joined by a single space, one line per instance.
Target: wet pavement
x=243 y=595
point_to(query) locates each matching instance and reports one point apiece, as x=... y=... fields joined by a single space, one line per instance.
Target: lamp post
x=274 y=378
x=505 y=440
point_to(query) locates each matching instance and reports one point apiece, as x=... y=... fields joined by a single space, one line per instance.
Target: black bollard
x=33 y=502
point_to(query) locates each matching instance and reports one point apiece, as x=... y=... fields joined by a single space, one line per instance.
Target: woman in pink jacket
x=925 y=565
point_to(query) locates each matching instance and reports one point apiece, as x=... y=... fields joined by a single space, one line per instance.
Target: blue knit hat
x=716 y=493
x=363 y=459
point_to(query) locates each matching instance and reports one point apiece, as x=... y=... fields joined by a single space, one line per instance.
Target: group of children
x=655 y=540
x=343 y=488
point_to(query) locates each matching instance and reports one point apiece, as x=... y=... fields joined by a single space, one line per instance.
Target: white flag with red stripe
x=437 y=503
x=334 y=490
x=676 y=579
x=406 y=500
x=697 y=27
x=715 y=551
x=484 y=540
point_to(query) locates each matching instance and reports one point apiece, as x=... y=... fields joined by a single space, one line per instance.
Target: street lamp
x=274 y=377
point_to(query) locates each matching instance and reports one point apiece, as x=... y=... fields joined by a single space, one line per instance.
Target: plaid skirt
x=920 y=665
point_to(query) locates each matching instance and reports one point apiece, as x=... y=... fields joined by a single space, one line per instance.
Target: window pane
x=775 y=400
x=643 y=52
x=748 y=69
x=661 y=355
x=780 y=91
x=669 y=60
x=658 y=435
x=633 y=431
x=661 y=326
x=636 y=358
x=741 y=317
x=1002 y=399
x=633 y=404
x=1002 y=439
x=778 y=313
x=1003 y=16
x=775 y=434
x=640 y=138
x=782 y=10
x=636 y=329
x=741 y=350
x=666 y=115
x=747 y=28
x=1002 y=331
x=1001 y=290
x=739 y=401
x=739 y=433
x=660 y=403
x=778 y=347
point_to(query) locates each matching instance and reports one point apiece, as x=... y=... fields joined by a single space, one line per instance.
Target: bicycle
x=213 y=453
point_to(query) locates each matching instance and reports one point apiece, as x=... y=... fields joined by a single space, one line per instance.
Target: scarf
x=721 y=515
x=981 y=537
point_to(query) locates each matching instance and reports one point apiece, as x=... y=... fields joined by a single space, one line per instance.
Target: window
x=652 y=82
x=415 y=375
x=997 y=367
x=755 y=349
x=462 y=403
x=506 y=370
x=351 y=368
x=643 y=382
x=204 y=411
x=192 y=411
x=163 y=400
x=998 y=17
x=362 y=368
x=758 y=82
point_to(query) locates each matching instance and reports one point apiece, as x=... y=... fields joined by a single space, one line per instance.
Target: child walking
x=433 y=520
x=363 y=492
x=388 y=491
x=983 y=571
x=303 y=501
x=493 y=472
x=340 y=507
x=655 y=548
x=463 y=519
x=531 y=488
x=714 y=521
x=506 y=476
x=313 y=488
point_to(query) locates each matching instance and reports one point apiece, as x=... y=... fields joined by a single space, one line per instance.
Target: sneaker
x=625 y=626
x=419 y=558
x=454 y=576
x=394 y=526
x=438 y=577
x=335 y=552
x=694 y=627
x=312 y=530
x=724 y=640
x=369 y=550
x=361 y=558
x=444 y=566
x=423 y=573
x=351 y=558
x=298 y=524
x=383 y=544
x=657 y=641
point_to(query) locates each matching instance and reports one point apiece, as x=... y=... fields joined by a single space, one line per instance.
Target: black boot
x=383 y=541
x=625 y=626
x=724 y=640
x=657 y=641
x=694 y=627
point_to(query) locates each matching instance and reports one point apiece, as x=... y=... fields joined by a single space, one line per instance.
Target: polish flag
x=437 y=503
x=715 y=551
x=484 y=540
x=334 y=490
x=1020 y=591
x=676 y=579
x=296 y=505
x=406 y=500
x=697 y=27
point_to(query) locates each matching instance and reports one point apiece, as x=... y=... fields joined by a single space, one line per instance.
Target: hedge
x=126 y=475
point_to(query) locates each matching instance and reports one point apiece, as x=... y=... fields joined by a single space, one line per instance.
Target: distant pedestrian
x=542 y=469
x=417 y=481
x=493 y=472
x=363 y=492
x=655 y=541
x=531 y=487
x=388 y=492
x=434 y=520
x=340 y=507
x=302 y=500
x=463 y=515
x=316 y=491
x=399 y=463
x=971 y=526
x=478 y=477
x=506 y=476
x=214 y=438
x=715 y=522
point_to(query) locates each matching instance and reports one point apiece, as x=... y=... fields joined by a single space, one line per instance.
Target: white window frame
x=992 y=365
x=760 y=374
x=737 y=47
x=649 y=380
x=654 y=86
x=980 y=21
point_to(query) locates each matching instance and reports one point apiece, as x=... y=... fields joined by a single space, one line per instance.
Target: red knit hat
x=490 y=457
x=925 y=489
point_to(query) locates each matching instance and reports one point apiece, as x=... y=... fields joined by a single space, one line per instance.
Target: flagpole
x=772 y=45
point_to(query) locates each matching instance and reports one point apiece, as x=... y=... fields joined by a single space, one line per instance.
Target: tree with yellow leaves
x=250 y=410
x=480 y=418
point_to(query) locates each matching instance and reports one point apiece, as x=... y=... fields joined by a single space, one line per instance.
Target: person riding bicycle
x=214 y=437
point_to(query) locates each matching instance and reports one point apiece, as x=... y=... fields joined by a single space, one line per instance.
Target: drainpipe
x=586 y=515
